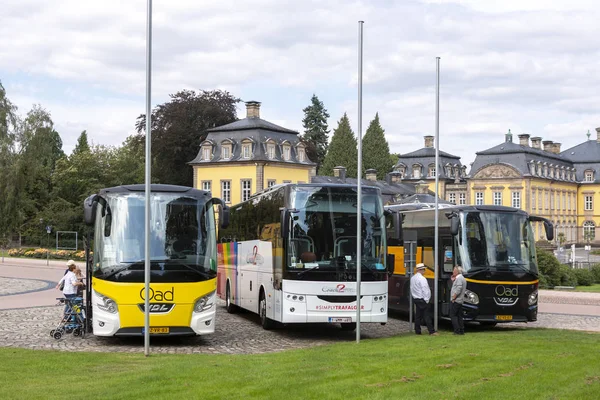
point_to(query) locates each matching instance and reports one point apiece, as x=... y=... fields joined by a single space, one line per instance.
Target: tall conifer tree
x=342 y=151
x=376 y=151
x=316 y=130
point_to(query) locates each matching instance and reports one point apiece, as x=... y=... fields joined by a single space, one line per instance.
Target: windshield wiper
x=307 y=270
x=520 y=266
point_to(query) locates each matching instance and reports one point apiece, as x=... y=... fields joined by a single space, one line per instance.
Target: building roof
x=251 y=123
x=390 y=192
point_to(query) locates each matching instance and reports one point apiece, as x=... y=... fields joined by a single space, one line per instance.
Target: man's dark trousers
x=422 y=313
x=456 y=315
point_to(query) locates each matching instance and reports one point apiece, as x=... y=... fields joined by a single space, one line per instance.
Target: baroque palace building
x=241 y=158
x=540 y=179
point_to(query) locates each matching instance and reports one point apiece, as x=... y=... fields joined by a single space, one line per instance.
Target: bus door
x=448 y=261
x=399 y=281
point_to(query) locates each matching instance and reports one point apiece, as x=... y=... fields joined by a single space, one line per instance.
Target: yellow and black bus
x=494 y=245
x=183 y=263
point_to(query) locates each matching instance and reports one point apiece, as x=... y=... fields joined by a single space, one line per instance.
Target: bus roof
x=455 y=208
x=156 y=188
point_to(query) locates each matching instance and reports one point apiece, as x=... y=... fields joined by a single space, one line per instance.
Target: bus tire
x=266 y=322
x=348 y=326
x=229 y=306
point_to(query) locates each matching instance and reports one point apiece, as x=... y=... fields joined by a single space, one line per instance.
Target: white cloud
x=525 y=65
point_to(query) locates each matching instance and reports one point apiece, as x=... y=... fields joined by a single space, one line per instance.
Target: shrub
x=584 y=277
x=566 y=276
x=549 y=267
x=596 y=273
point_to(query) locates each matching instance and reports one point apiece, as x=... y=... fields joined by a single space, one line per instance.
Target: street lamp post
x=48 y=230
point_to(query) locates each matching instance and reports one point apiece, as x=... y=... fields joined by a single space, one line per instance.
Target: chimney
x=371 y=174
x=598 y=134
x=547 y=145
x=340 y=172
x=252 y=109
x=556 y=148
x=535 y=142
x=508 y=137
x=524 y=140
x=429 y=140
x=395 y=177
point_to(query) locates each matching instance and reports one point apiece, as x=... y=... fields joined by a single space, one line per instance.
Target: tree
x=178 y=128
x=315 y=130
x=376 y=151
x=342 y=151
x=9 y=124
x=82 y=143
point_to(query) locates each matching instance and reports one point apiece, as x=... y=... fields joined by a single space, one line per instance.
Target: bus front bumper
x=471 y=313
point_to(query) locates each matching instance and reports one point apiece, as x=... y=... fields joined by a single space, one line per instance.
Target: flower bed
x=78 y=255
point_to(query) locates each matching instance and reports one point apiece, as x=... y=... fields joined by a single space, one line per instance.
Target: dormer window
x=206 y=153
x=246 y=150
x=589 y=176
x=416 y=171
x=545 y=170
x=271 y=151
x=431 y=171
x=226 y=152
x=301 y=154
x=287 y=152
x=551 y=171
x=532 y=168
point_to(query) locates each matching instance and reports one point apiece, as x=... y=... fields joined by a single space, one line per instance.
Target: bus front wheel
x=229 y=306
x=266 y=322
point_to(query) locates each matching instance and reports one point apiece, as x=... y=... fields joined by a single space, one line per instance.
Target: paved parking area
x=235 y=334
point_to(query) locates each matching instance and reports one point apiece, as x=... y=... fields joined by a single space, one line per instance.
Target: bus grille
x=338 y=299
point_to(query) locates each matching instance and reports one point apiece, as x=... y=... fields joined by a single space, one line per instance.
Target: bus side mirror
x=398 y=226
x=224 y=216
x=549 y=230
x=391 y=263
x=454 y=223
x=89 y=210
x=285 y=222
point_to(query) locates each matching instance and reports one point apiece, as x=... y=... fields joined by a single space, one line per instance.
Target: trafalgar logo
x=339 y=288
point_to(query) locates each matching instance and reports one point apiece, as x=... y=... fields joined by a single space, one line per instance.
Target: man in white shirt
x=421 y=294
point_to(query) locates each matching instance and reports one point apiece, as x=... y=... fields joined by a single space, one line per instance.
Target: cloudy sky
x=530 y=66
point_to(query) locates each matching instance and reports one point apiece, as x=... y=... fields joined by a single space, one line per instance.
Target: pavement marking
x=48 y=285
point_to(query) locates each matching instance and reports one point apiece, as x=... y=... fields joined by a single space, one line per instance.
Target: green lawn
x=494 y=364
x=594 y=288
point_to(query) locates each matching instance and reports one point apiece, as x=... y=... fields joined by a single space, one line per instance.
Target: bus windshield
x=323 y=229
x=182 y=238
x=498 y=241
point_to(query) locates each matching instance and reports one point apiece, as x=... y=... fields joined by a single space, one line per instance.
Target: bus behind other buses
x=290 y=255
x=183 y=264
x=494 y=245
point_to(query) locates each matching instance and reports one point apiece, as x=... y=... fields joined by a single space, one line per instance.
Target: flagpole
x=148 y=164
x=359 y=181
x=437 y=174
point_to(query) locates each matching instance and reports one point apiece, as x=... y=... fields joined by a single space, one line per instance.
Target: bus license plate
x=503 y=317
x=340 y=319
x=159 y=330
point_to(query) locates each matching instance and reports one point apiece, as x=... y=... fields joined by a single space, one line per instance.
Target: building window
x=270 y=183
x=533 y=199
x=226 y=152
x=301 y=155
x=271 y=151
x=516 y=199
x=246 y=189
x=569 y=202
x=546 y=201
x=558 y=201
x=206 y=185
x=478 y=198
x=286 y=153
x=540 y=200
x=452 y=198
x=416 y=171
x=462 y=199
x=497 y=198
x=431 y=171
x=206 y=154
x=589 y=176
x=589 y=230
x=246 y=150
x=552 y=200
x=226 y=191
x=589 y=202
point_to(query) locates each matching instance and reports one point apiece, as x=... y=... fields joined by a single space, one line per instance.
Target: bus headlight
x=471 y=297
x=533 y=297
x=107 y=304
x=204 y=302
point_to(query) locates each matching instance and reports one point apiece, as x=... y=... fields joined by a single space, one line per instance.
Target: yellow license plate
x=503 y=317
x=159 y=330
